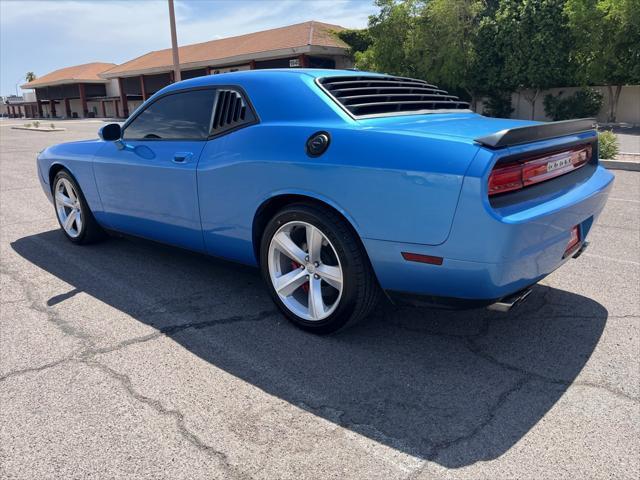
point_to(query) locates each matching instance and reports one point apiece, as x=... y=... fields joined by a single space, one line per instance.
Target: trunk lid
x=466 y=126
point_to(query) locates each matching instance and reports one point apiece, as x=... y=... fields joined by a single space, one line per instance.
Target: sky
x=42 y=36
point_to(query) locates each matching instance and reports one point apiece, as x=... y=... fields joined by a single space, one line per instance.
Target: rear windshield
x=372 y=96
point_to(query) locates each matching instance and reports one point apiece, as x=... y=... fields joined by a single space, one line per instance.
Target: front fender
x=76 y=157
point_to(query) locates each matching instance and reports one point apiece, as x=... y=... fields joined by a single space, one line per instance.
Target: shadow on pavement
x=453 y=387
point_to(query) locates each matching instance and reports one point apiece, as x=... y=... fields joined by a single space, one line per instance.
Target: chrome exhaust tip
x=507 y=303
x=582 y=248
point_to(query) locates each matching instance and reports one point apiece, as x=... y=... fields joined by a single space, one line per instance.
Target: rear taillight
x=517 y=175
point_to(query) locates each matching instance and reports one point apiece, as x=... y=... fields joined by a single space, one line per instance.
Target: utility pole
x=174 y=43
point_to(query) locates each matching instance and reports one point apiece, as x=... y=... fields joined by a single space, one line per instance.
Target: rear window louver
x=231 y=111
x=369 y=96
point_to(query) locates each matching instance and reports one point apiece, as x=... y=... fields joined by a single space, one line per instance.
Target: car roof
x=266 y=74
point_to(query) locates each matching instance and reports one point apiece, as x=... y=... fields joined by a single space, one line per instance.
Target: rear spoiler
x=533 y=133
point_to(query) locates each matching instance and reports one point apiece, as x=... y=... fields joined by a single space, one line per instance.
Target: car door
x=147 y=181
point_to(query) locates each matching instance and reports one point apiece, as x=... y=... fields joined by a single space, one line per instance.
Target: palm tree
x=30 y=77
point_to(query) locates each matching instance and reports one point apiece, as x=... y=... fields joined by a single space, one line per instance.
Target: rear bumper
x=449 y=303
x=489 y=256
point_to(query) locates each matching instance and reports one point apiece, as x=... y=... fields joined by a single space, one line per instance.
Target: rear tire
x=74 y=216
x=322 y=281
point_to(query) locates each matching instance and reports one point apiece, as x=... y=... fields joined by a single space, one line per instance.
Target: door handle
x=182 y=157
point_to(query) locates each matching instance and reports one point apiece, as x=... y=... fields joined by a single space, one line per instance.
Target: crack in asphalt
x=173 y=329
x=468 y=341
x=87 y=355
x=526 y=377
x=176 y=415
x=438 y=448
x=339 y=417
x=24 y=371
x=478 y=351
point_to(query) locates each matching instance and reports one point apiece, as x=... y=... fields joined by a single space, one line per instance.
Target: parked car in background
x=339 y=185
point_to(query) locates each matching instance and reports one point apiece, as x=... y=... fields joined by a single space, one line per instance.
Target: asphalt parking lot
x=132 y=360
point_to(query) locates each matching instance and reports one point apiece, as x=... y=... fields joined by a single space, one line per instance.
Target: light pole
x=174 y=43
x=18 y=83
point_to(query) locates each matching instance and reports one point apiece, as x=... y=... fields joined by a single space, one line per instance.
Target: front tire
x=73 y=213
x=316 y=269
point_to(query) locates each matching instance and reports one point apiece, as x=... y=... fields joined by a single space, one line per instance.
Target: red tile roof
x=86 y=73
x=284 y=38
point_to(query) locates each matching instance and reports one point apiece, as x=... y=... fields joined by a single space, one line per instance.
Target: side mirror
x=110 y=132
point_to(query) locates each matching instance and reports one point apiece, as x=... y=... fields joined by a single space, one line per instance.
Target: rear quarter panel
x=391 y=186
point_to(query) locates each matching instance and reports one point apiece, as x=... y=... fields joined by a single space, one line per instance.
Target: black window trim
x=211 y=135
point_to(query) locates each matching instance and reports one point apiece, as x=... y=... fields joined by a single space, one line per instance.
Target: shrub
x=607 y=145
x=498 y=105
x=585 y=102
x=53 y=125
x=36 y=124
x=28 y=125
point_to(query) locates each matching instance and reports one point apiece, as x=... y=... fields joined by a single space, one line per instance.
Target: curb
x=38 y=129
x=621 y=165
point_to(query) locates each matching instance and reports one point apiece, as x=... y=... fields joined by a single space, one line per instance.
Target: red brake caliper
x=305 y=286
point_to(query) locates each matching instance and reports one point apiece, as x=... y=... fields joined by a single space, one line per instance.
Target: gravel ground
x=129 y=359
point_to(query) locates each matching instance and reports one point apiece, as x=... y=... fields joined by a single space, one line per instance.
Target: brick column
x=143 y=89
x=123 y=98
x=252 y=65
x=104 y=109
x=67 y=107
x=83 y=100
x=304 y=60
x=52 y=107
x=115 y=107
x=40 y=108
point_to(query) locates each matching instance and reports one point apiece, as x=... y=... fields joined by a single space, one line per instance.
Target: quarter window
x=179 y=116
x=231 y=112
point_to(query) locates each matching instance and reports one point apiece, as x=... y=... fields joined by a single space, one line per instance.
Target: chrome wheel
x=305 y=270
x=68 y=207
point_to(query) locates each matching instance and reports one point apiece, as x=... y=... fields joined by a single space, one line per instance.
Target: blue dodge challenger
x=339 y=185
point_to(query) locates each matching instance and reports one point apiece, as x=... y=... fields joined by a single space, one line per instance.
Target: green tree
x=429 y=39
x=445 y=45
x=534 y=42
x=392 y=31
x=30 y=77
x=606 y=39
x=358 y=40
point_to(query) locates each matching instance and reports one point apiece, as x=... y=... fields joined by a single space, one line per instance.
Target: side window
x=185 y=115
x=231 y=112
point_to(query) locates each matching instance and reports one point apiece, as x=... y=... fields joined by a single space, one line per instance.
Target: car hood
x=465 y=126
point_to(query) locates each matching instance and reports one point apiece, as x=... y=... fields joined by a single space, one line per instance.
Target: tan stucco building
x=109 y=90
